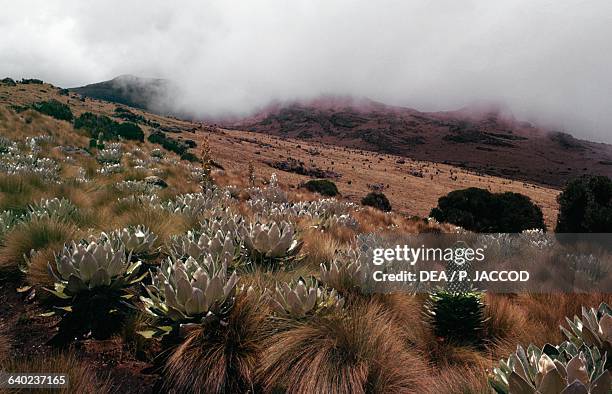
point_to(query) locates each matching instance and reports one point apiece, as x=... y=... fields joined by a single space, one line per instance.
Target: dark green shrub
x=94 y=125
x=126 y=114
x=32 y=81
x=189 y=157
x=54 y=109
x=110 y=130
x=377 y=200
x=9 y=82
x=585 y=206
x=176 y=146
x=456 y=317
x=482 y=211
x=64 y=92
x=324 y=187
x=129 y=131
x=190 y=143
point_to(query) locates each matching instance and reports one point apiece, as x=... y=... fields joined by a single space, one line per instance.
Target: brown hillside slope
x=483 y=139
x=412 y=186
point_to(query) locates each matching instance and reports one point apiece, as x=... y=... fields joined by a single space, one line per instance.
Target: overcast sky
x=548 y=60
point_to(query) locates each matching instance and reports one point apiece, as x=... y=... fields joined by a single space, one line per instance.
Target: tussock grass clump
x=38 y=268
x=36 y=234
x=220 y=359
x=18 y=191
x=359 y=353
x=457 y=380
x=162 y=223
x=81 y=377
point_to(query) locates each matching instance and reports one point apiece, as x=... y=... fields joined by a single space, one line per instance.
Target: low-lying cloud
x=549 y=61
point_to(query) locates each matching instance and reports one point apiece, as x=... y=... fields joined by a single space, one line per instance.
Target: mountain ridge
x=488 y=140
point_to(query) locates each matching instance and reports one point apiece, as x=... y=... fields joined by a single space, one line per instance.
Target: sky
x=548 y=61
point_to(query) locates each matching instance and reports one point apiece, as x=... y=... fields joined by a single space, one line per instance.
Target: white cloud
x=548 y=60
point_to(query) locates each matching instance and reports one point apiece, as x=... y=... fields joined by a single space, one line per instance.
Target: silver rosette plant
x=221 y=247
x=552 y=370
x=57 y=208
x=349 y=271
x=184 y=294
x=304 y=298
x=138 y=241
x=271 y=245
x=92 y=286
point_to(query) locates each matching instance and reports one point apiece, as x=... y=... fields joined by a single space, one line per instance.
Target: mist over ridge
x=547 y=62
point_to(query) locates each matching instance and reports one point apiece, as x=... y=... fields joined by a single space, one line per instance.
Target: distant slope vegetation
x=143 y=93
x=485 y=140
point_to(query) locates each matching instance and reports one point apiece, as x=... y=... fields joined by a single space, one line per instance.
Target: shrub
x=176 y=146
x=8 y=81
x=377 y=200
x=456 y=317
x=324 y=187
x=482 y=211
x=271 y=245
x=110 y=130
x=189 y=293
x=585 y=206
x=189 y=157
x=54 y=109
x=126 y=114
x=304 y=298
x=129 y=131
x=95 y=125
x=32 y=81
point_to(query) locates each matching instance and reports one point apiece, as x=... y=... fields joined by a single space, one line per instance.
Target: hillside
x=485 y=140
x=143 y=93
x=133 y=266
x=413 y=186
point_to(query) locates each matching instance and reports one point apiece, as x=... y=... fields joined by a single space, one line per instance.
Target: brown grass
x=38 y=274
x=355 y=354
x=5 y=344
x=550 y=310
x=160 y=222
x=463 y=380
x=37 y=234
x=319 y=247
x=81 y=377
x=219 y=360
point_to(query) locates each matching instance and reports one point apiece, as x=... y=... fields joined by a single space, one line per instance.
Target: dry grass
x=160 y=222
x=38 y=273
x=81 y=377
x=464 y=380
x=221 y=359
x=549 y=311
x=359 y=353
x=37 y=234
x=319 y=247
x=5 y=344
